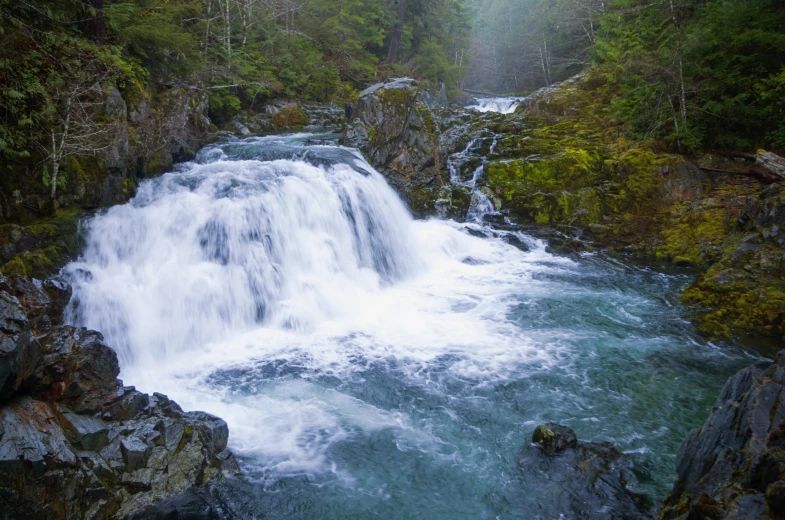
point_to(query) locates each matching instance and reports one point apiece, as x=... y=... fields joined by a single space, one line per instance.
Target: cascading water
x=467 y=168
x=370 y=365
x=503 y=105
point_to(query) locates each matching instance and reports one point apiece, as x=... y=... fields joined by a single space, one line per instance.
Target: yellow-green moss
x=56 y=245
x=290 y=117
x=694 y=235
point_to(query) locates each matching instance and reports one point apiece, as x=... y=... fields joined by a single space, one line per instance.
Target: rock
x=91 y=433
x=395 y=129
x=554 y=438
x=77 y=369
x=191 y=505
x=743 y=291
x=239 y=128
x=586 y=480
x=147 y=132
x=734 y=463
x=19 y=352
x=75 y=443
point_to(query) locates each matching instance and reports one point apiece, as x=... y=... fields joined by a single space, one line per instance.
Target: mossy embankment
x=562 y=162
x=144 y=132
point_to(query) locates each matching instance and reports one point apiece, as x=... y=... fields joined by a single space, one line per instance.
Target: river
x=373 y=365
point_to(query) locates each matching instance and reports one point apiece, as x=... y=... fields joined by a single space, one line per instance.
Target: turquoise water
x=374 y=366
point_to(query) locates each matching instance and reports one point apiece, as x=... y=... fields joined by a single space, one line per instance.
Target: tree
x=75 y=126
x=395 y=42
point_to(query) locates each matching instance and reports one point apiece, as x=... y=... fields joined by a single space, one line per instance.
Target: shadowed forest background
x=692 y=75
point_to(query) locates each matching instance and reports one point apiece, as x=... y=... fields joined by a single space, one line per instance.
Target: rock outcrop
x=74 y=442
x=586 y=480
x=734 y=466
x=145 y=132
x=393 y=126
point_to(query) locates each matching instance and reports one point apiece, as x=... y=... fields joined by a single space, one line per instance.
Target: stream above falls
x=373 y=365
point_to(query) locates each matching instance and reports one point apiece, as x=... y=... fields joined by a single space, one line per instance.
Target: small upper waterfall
x=503 y=105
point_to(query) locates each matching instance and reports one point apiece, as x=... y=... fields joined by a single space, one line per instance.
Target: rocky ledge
x=734 y=466
x=76 y=443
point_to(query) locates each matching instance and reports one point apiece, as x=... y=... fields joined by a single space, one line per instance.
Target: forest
x=693 y=75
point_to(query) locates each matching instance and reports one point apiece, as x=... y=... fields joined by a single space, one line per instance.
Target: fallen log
x=757 y=171
x=772 y=162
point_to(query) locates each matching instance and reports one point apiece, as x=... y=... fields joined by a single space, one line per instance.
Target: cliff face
x=146 y=133
x=74 y=442
x=734 y=466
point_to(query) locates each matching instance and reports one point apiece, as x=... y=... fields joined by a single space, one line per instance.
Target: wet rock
x=395 y=129
x=77 y=369
x=91 y=433
x=75 y=443
x=239 y=128
x=733 y=464
x=579 y=480
x=554 y=438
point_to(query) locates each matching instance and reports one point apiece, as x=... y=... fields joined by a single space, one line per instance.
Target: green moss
x=694 y=235
x=56 y=244
x=129 y=188
x=556 y=190
x=733 y=301
x=14 y=267
x=289 y=118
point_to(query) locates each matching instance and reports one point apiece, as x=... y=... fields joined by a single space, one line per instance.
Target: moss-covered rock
x=290 y=117
x=394 y=127
x=41 y=248
x=744 y=291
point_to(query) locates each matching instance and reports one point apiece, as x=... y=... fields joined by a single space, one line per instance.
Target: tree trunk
x=95 y=26
x=55 y=165
x=395 y=43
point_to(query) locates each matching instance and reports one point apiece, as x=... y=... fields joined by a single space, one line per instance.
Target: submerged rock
x=75 y=443
x=579 y=480
x=734 y=466
x=392 y=124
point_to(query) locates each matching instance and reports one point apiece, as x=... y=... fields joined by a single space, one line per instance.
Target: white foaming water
x=503 y=105
x=217 y=272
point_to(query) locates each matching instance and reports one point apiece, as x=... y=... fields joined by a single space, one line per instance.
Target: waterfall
x=503 y=105
x=226 y=244
x=286 y=250
x=369 y=364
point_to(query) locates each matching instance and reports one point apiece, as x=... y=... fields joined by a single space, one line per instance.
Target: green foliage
x=697 y=76
x=155 y=33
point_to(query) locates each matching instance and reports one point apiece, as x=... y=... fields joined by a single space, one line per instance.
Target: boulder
x=393 y=126
x=734 y=466
x=586 y=480
x=553 y=438
x=75 y=443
